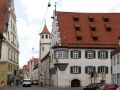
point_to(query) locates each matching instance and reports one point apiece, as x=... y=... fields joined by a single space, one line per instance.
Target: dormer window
x=119 y=38
x=76 y=19
x=93 y=28
x=106 y=19
x=95 y=38
x=77 y=28
x=108 y=29
x=91 y=19
x=79 y=37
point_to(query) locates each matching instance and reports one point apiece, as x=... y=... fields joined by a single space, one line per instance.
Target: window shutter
x=86 y=52
x=86 y=69
x=71 y=69
x=99 y=54
x=106 y=52
x=94 y=69
x=71 y=54
x=79 y=69
x=94 y=54
x=106 y=70
x=79 y=54
x=98 y=69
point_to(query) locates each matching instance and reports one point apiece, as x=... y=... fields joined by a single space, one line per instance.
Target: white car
x=27 y=82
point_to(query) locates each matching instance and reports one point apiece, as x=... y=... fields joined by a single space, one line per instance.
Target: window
x=95 y=38
x=9 y=56
x=79 y=37
x=106 y=19
x=75 y=69
x=76 y=19
x=102 y=54
x=118 y=62
x=77 y=28
x=90 y=69
x=108 y=29
x=103 y=69
x=46 y=36
x=43 y=48
x=61 y=54
x=90 y=54
x=114 y=61
x=91 y=19
x=76 y=54
x=93 y=28
x=42 y=36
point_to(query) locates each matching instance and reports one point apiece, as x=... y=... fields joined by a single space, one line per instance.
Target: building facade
x=81 y=47
x=45 y=45
x=9 y=61
x=116 y=66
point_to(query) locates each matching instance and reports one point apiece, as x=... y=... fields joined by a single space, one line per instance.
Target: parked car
x=118 y=88
x=34 y=82
x=93 y=86
x=27 y=82
x=108 y=86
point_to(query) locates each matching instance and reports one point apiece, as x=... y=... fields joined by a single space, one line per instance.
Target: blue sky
x=30 y=21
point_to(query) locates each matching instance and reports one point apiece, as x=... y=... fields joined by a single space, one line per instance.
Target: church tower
x=45 y=42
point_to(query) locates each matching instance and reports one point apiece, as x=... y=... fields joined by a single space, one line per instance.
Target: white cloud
x=90 y=5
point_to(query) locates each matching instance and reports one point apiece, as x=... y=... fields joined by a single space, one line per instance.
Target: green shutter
x=79 y=69
x=98 y=69
x=79 y=54
x=99 y=54
x=86 y=54
x=71 y=54
x=86 y=69
x=94 y=69
x=71 y=69
x=106 y=52
x=94 y=54
x=106 y=70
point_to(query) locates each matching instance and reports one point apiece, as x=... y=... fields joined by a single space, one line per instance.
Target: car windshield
x=109 y=85
x=27 y=81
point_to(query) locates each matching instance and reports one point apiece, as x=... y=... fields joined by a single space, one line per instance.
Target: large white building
x=116 y=66
x=81 y=47
x=9 y=59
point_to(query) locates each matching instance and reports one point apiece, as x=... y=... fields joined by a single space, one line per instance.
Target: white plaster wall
x=65 y=77
x=35 y=74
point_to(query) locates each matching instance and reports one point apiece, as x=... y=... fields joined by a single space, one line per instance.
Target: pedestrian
x=10 y=82
x=41 y=83
x=17 y=82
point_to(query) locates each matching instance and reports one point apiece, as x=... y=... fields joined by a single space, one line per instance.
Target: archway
x=75 y=83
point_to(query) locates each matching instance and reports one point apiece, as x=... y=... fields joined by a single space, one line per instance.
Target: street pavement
x=38 y=88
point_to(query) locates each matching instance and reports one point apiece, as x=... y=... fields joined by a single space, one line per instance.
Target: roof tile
x=105 y=38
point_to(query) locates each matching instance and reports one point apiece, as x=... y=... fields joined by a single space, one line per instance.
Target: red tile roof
x=86 y=37
x=3 y=14
x=45 y=30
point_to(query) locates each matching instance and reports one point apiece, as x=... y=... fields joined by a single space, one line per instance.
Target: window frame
x=90 y=54
x=103 y=69
x=75 y=69
x=75 y=54
x=103 y=54
x=90 y=69
x=61 y=54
